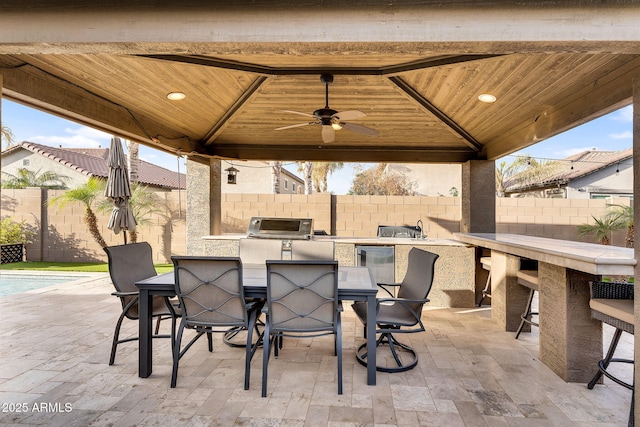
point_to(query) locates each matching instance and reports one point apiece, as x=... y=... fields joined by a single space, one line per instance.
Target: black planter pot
x=11 y=253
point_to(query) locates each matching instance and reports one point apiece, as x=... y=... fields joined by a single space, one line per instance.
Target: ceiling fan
x=332 y=120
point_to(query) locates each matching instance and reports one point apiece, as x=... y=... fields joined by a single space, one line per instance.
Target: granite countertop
x=359 y=240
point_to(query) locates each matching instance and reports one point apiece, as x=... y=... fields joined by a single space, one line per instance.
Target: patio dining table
x=354 y=284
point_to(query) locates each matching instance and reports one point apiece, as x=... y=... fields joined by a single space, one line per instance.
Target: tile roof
x=576 y=166
x=93 y=162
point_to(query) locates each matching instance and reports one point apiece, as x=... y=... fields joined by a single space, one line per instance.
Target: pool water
x=22 y=282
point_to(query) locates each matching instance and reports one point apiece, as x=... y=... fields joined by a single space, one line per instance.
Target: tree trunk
x=308 y=183
x=276 y=169
x=630 y=238
x=133 y=161
x=92 y=222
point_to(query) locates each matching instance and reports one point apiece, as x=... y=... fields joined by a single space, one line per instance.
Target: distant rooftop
x=93 y=162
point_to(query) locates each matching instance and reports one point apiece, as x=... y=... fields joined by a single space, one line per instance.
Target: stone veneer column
x=478 y=208
x=508 y=298
x=478 y=197
x=572 y=352
x=203 y=204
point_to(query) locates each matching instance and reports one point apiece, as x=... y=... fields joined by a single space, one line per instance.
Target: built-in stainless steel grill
x=280 y=228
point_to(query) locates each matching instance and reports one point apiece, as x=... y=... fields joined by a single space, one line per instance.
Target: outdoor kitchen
x=454 y=283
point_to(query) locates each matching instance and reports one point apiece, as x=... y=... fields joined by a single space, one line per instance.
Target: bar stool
x=612 y=303
x=528 y=279
x=485 y=261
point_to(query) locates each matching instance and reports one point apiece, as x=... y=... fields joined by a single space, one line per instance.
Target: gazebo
x=215 y=83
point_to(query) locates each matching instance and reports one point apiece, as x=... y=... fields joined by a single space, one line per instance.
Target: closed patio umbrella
x=119 y=190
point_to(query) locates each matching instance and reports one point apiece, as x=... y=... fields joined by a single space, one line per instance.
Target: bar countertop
x=587 y=257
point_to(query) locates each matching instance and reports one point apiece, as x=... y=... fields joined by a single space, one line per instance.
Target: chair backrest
x=210 y=290
x=311 y=250
x=257 y=251
x=129 y=264
x=419 y=276
x=302 y=296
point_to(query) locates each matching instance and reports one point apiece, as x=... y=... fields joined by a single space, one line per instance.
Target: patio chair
x=485 y=261
x=527 y=276
x=302 y=302
x=211 y=296
x=253 y=252
x=612 y=303
x=401 y=314
x=129 y=264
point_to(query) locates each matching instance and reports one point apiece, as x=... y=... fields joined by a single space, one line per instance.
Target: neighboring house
x=78 y=164
x=433 y=179
x=255 y=177
x=588 y=175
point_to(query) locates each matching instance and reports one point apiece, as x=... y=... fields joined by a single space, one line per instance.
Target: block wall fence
x=62 y=235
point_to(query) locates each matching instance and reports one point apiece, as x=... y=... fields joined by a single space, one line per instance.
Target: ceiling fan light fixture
x=176 y=96
x=336 y=126
x=486 y=97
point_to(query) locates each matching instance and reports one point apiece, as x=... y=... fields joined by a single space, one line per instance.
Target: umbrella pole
x=124 y=233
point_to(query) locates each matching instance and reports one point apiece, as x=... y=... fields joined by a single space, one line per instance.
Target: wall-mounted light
x=486 y=97
x=618 y=169
x=232 y=174
x=176 y=96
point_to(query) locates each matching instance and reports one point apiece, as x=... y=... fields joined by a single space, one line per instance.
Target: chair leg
x=176 y=356
x=266 y=349
x=250 y=348
x=338 y=349
x=486 y=292
x=604 y=363
x=158 y=325
x=116 y=335
x=526 y=316
x=210 y=341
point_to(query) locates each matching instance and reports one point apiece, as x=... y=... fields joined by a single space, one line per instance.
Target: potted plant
x=13 y=237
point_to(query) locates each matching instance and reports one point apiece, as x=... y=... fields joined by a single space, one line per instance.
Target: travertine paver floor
x=55 y=346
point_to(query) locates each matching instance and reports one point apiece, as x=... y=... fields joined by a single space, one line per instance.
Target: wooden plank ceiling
x=424 y=107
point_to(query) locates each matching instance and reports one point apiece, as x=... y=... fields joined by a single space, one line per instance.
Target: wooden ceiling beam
x=328 y=152
x=228 y=115
x=427 y=105
x=37 y=89
x=228 y=64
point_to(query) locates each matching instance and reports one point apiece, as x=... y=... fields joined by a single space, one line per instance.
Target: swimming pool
x=15 y=283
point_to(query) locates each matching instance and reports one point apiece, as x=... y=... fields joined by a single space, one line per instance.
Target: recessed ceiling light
x=176 y=96
x=487 y=97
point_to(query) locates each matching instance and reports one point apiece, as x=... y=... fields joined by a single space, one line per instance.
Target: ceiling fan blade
x=296 y=126
x=349 y=115
x=328 y=134
x=299 y=113
x=360 y=129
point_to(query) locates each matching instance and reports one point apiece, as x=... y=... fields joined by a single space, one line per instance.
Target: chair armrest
x=406 y=303
x=124 y=294
x=391 y=285
x=611 y=290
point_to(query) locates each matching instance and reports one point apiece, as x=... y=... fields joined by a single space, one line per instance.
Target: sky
x=611 y=132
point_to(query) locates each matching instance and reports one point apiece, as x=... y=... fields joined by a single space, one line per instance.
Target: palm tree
x=133 y=160
x=623 y=216
x=143 y=203
x=27 y=178
x=321 y=171
x=524 y=170
x=85 y=195
x=601 y=230
x=7 y=135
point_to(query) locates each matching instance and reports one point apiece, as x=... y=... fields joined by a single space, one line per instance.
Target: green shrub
x=12 y=232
